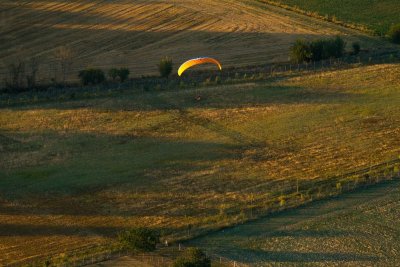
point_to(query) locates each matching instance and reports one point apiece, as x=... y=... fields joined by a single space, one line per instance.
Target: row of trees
x=316 y=50
x=96 y=76
x=23 y=75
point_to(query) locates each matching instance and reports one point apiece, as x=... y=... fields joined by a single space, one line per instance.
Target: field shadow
x=253 y=94
x=294 y=256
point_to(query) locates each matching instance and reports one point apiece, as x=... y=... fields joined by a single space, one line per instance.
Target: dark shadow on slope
x=257 y=256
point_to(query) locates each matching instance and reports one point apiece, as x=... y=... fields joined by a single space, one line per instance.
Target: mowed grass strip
x=77 y=172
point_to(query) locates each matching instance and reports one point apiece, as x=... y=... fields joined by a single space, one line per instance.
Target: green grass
x=377 y=16
x=74 y=173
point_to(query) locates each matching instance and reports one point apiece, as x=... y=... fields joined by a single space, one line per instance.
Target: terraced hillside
x=138 y=33
x=74 y=173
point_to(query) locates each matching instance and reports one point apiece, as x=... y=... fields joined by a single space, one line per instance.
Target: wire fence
x=51 y=73
x=293 y=192
x=165 y=255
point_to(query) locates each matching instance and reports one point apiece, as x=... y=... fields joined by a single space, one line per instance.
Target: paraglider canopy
x=198 y=61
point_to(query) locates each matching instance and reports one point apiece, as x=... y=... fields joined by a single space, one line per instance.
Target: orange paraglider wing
x=198 y=61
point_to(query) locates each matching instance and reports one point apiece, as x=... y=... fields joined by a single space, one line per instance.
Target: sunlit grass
x=164 y=160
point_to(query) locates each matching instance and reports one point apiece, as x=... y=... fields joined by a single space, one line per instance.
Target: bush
x=165 y=67
x=139 y=239
x=92 y=76
x=334 y=48
x=303 y=51
x=192 y=257
x=394 y=34
x=113 y=73
x=123 y=74
x=356 y=48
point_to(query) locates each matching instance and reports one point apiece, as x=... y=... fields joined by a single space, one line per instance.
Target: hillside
x=357 y=229
x=376 y=16
x=136 y=34
x=73 y=173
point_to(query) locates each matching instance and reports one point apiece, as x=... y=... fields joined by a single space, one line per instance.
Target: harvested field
x=136 y=34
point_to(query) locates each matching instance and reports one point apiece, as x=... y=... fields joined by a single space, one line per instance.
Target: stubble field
x=137 y=34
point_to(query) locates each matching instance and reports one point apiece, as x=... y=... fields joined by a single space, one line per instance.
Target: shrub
x=113 y=73
x=165 y=67
x=300 y=51
x=193 y=257
x=356 y=48
x=139 y=239
x=394 y=34
x=336 y=47
x=91 y=76
x=123 y=74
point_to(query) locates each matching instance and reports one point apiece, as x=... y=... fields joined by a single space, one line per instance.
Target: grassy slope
x=375 y=15
x=358 y=228
x=73 y=173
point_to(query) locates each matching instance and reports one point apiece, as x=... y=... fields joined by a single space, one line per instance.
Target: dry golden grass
x=136 y=34
x=74 y=173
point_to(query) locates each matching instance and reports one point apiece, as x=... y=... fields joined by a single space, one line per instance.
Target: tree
x=113 y=73
x=300 y=51
x=394 y=34
x=306 y=51
x=33 y=68
x=91 y=76
x=139 y=239
x=193 y=257
x=356 y=48
x=16 y=71
x=165 y=67
x=123 y=74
